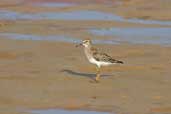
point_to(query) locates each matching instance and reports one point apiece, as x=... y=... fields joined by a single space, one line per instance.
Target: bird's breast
x=92 y=60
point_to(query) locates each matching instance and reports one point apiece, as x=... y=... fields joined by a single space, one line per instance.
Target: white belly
x=99 y=63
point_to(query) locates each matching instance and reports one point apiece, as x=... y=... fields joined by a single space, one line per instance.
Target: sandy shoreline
x=51 y=74
x=36 y=74
x=141 y=9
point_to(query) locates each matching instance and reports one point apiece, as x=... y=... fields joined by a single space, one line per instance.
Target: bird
x=97 y=57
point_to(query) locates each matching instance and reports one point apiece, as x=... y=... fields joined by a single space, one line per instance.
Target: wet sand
x=38 y=75
x=145 y=9
x=141 y=9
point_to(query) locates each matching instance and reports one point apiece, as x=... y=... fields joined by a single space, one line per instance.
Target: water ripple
x=59 y=38
x=137 y=35
x=75 y=15
x=57 y=111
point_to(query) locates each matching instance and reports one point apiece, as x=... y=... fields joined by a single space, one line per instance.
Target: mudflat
x=141 y=9
x=44 y=74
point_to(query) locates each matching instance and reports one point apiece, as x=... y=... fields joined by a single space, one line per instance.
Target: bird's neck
x=87 y=51
x=87 y=48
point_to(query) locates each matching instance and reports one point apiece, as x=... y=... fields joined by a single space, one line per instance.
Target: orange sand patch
x=7 y=55
x=73 y=105
x=161 y=109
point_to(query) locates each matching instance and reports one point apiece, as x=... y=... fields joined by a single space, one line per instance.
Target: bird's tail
x=120 y=62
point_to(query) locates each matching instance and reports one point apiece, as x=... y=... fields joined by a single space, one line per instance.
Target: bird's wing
x=104 y=57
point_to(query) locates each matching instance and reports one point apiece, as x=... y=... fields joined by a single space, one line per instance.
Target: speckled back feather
x=103 y=56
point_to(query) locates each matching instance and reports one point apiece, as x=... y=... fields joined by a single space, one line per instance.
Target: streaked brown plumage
x=104 y=57
x=98 y=58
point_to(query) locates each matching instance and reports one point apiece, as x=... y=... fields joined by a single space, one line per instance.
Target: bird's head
x=85 y=43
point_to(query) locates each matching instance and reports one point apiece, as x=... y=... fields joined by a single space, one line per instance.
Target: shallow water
x=54 y=4
x=72 y=15
x=39 y=37
x=131 y=35
x=75 y=15
x=137 y=35
x=52 y=38
x=141 y=21
x=57 y=111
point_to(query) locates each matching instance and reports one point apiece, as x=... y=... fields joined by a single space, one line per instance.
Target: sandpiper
x=96 y=57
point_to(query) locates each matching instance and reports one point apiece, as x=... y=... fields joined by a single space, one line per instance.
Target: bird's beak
x=78 y=45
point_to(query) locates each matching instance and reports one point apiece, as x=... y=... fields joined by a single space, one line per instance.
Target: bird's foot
x=97 y=79
x=94 y=81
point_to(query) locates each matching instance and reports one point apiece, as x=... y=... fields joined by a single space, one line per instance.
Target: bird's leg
x=97 y=74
